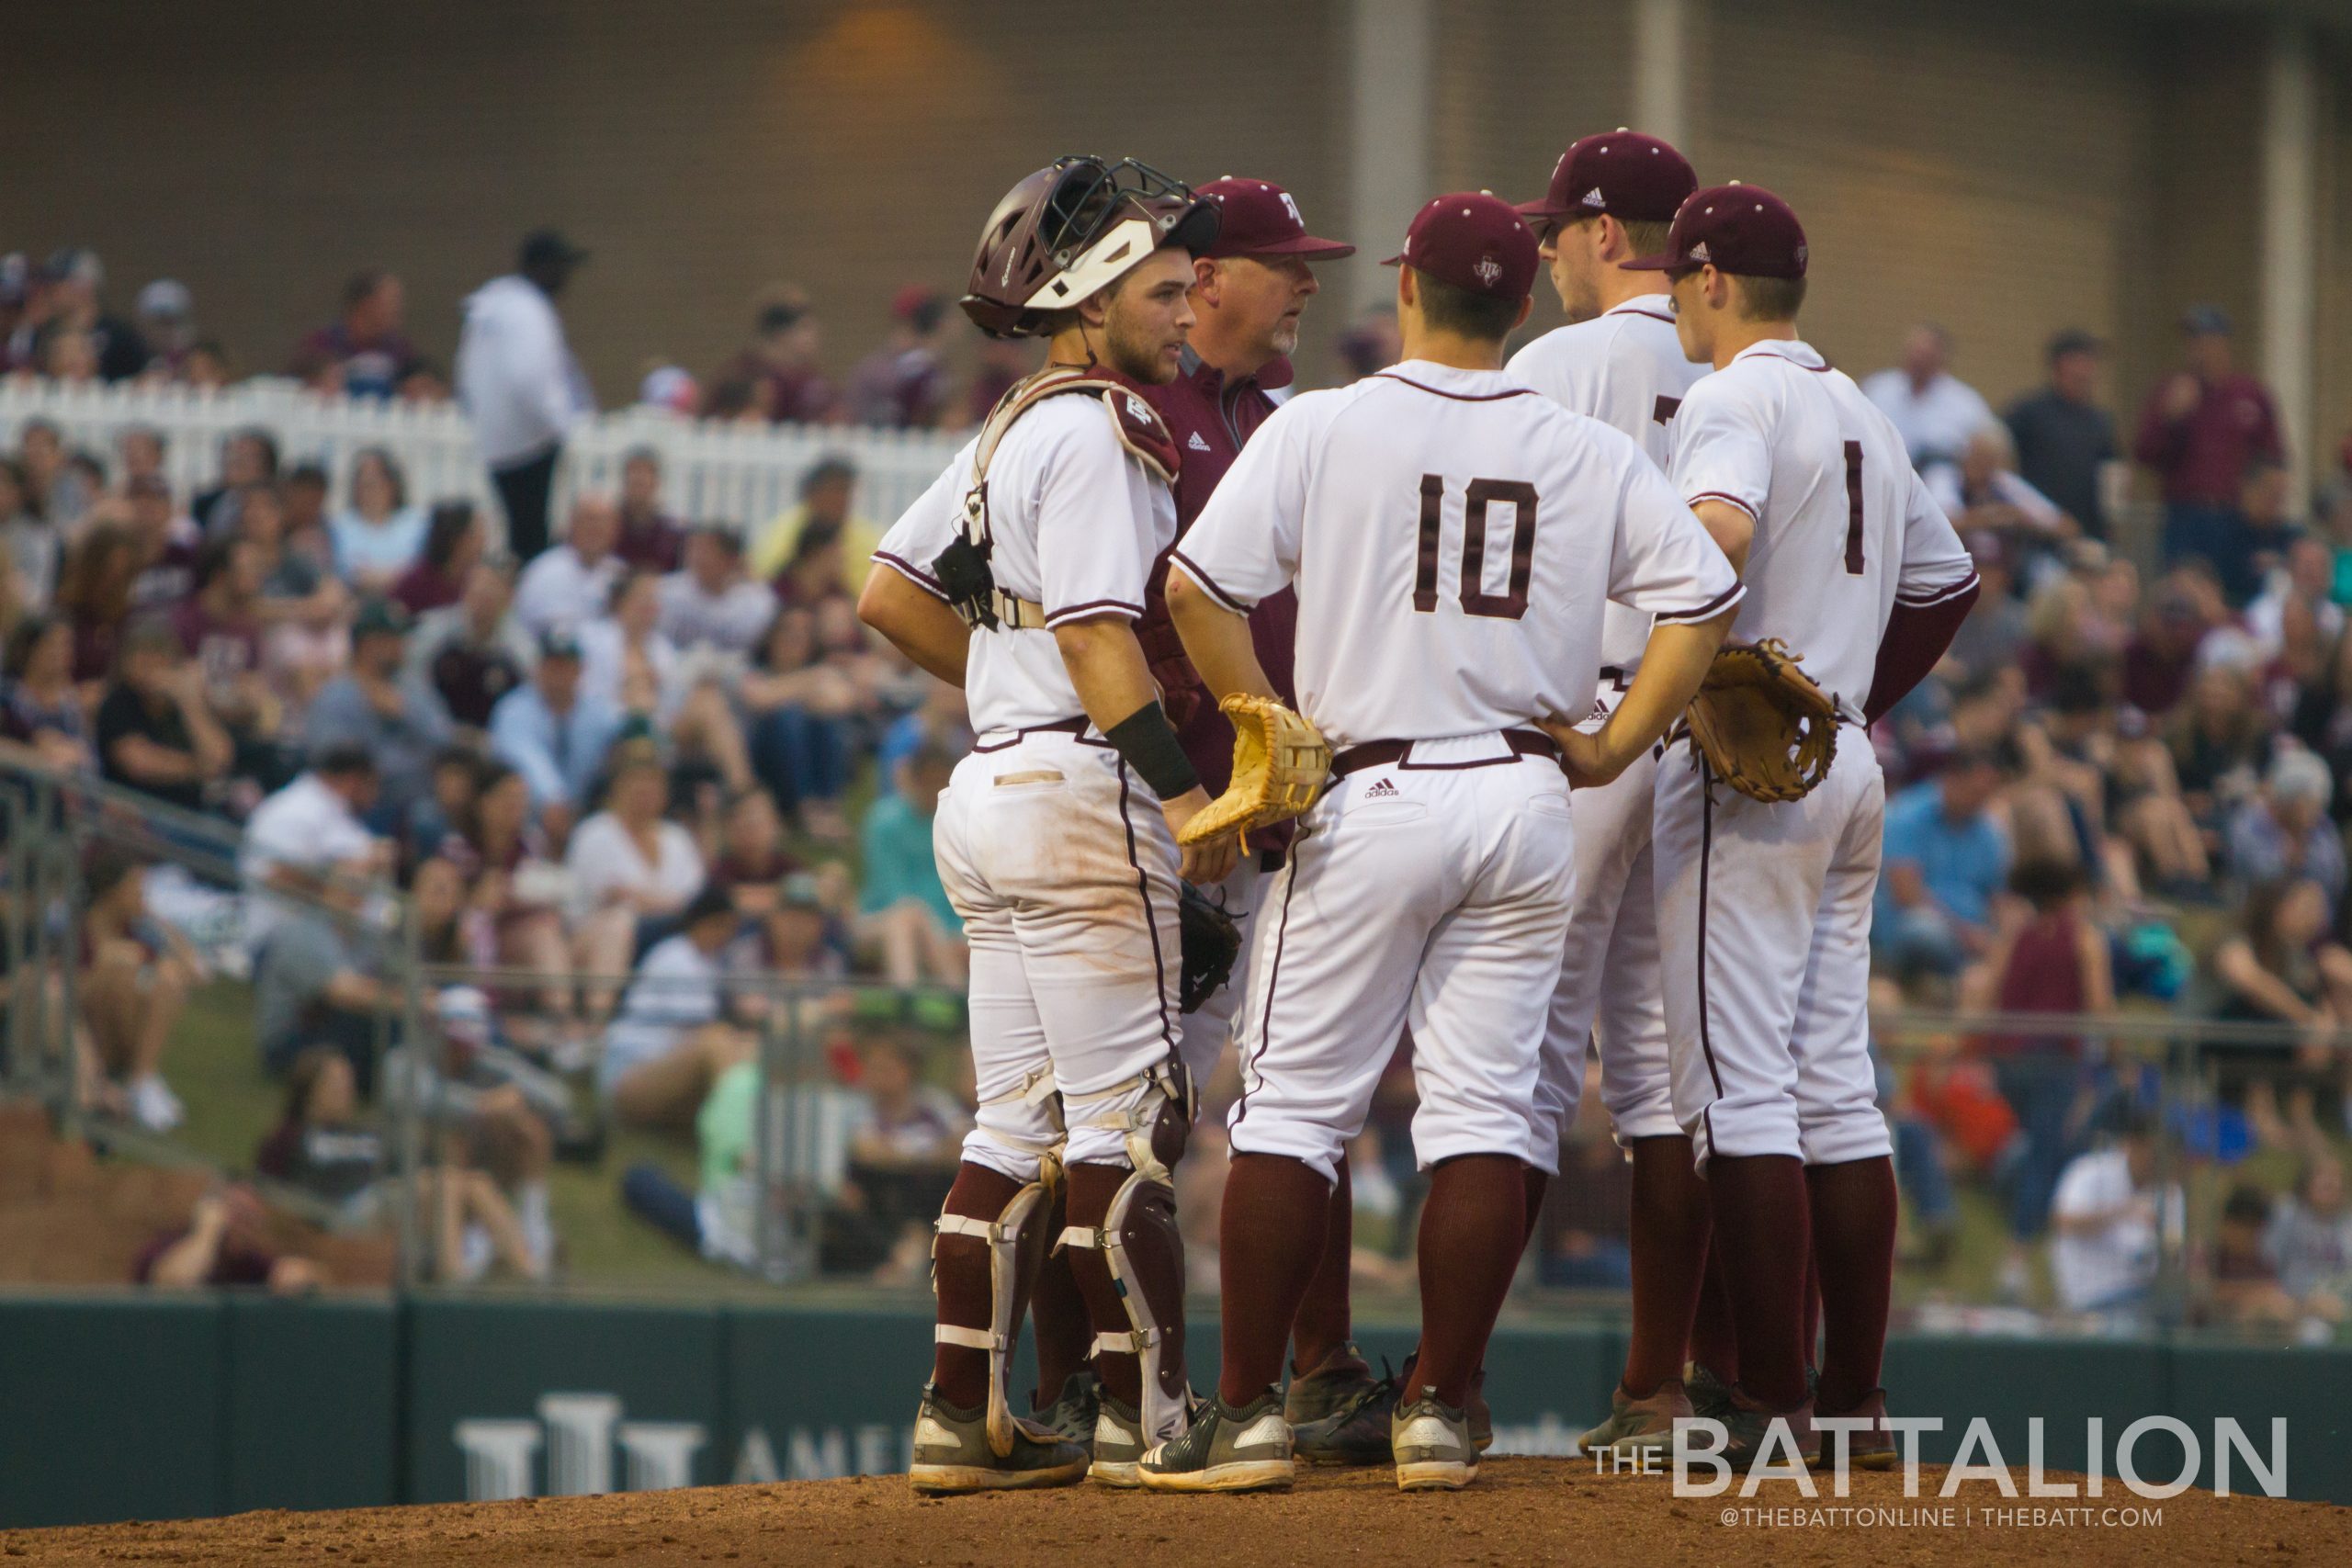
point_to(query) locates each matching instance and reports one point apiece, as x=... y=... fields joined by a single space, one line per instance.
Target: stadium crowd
x=620 y=773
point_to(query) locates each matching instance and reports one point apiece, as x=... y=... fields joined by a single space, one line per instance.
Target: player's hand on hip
x=1210 y=860
x=1585 y=755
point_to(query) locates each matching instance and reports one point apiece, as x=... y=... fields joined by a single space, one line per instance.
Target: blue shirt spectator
x=553 y=733
x=1945 y=859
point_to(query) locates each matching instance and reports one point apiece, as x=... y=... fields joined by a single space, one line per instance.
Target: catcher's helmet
x=1069 y=231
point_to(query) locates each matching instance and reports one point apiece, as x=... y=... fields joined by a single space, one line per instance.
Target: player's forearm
x=919 y=625
x=1731 y=529
x=1216 y=640
x=1106 y=668
x=1674 y=663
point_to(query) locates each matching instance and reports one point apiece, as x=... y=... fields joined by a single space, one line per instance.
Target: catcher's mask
x=1069 y=231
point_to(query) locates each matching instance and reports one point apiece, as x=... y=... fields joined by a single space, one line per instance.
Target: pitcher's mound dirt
x=1521 y=1511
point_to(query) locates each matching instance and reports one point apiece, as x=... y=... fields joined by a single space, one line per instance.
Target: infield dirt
x=1519 y=1511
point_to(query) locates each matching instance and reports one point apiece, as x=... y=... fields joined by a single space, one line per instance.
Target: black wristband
x=1149 y=744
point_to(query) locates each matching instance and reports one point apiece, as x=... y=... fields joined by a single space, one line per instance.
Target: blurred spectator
x=362 y=352
x=2064 y=439
x=2200 y=430
x=799 y=728
x=319 y=981
x=221 y=628
x=671 y=389
x=520 y=385
x=2161 y=656
x=2282 y=967
x=76 y=303
x=999 y=364
x=516 y=882
x=2105 y=1213
x=454 y=540
x=2309 y=1238
x=93 y=595
x=650 y=536
x=167 y=546
x=300 y=840
x=628 y=864
x=752 y=863
x=66 y=353
x=904 y=385
x=800 y=938
x=225 y=1244
x=821 y=515
x=2245 y=1291
x=42 y=716
x=1372 y=344
x=554 y=735
x=139 y=453
x=780 y=362
x=206 y=367
x=903 y=912
x=2284 y=830
x=303 y=496
x=133 y=988
x=1994 y=635
x=2247 y=538
x=671 y=1040
x=382 y=705
x=2295 y=623
x=473 y=652
x=34 y=546
x=302 y=605
x=53 y=490
x=569 y=585
x=1983 y=490
x=1934 y=410
x=379 y=535
x=248 y=458
x=1945 y=859
x=155 y=731
x=167 y=319
x=710 y=602
x=626 y=660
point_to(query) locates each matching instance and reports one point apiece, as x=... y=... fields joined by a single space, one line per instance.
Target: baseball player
x=1451 y=536
x=1764 y=909
x=1249 y=289
x=1054 y=836
x=1610 y=200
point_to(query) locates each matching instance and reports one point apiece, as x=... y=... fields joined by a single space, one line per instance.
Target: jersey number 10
x=1476 y=600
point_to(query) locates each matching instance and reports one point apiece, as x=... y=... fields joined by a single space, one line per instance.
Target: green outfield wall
x=118 y=1408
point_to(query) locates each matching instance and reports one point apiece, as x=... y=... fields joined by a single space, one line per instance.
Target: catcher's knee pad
x=1016 y=1240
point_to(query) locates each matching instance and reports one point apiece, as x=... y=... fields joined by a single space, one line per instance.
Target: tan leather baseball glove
x=1280 y=764
x=1765 y=728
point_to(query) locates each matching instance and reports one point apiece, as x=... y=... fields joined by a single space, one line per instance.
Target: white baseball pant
x=1065 y=872
x=1432 y=890
x=1204 y=1033
x=1610 y=987
x=1764 y=913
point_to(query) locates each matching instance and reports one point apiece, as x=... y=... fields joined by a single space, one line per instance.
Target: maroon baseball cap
x=1474 y=241
x=1633 y=177
x=1740 y=229
x=1260 y=218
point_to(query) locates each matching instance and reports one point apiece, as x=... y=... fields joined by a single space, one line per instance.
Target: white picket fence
x=713 y=471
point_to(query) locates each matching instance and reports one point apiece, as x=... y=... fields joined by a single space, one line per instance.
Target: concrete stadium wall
x=143 y=1407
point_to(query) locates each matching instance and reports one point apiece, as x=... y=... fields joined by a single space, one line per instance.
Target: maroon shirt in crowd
x=424 y=586
x=2204 y=456
x=652 y=542
x=168 y=579
x=899 y=388
x=227 y=649
x=1210 y=419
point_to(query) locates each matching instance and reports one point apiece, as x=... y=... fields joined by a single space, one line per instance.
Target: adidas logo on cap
x=1593 y=198
x=1699 y=251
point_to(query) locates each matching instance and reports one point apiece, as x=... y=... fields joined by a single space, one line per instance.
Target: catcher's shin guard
x=1142 y=1247
x=1016 y=1241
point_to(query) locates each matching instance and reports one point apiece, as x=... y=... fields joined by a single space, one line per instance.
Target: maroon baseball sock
x=1669 y=1255
x=1853 y=1240
x=1534 y=1182
x=1058 y=1311
x=1474 y=1227
x=1092 y=1188
x=961 y=1274
x=1714 y=1334
x=1323 y=1317
x=1759 y=1205
x=1809 y=1335
x=1270 y=1240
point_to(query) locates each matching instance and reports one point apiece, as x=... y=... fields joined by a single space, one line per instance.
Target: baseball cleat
x=1480 y=1417
x=1638 y=1425
x=1118 y=1442
x=1434 y=1449
x=1872 y=1447
x=1747 y=1424
x=1339 y=1413
x=1227 y=1450
x=1709 y=1396
x=952 y=1452
x=1071 y=1415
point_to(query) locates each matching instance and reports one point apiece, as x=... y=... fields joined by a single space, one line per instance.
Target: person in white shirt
x=626 y=660
x=671 y=1040
x=520 y=385
x=571 y=585
x=2104 y=1222
x=306 y=833
x=627 y=862
x=709 y=603
x=1933 y=410
x=1619 y=360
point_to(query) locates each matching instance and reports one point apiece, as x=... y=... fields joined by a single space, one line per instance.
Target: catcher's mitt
x=1280 y=764
x=1765 y=728
x=1211 y=941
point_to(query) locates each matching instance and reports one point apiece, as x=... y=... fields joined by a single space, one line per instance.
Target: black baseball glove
x=1212 y=942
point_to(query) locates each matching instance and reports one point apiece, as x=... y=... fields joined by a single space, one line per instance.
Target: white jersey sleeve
x=1722 y=450
x=930 y=526
x=1666 y=564
x=1244 y=546
x=1095 y=535
x=1935 y=565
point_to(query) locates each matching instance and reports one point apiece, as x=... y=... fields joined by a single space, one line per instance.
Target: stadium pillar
x=2291 y=232
x=1662 y=69
x=1391 y=45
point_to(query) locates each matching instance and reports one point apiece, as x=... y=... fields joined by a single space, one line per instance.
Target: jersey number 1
x=1482 y=494
x=1853 y=509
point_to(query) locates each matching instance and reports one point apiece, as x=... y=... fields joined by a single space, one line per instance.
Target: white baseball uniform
x=1764 y=910
x=1625 y=367
x=1053 y=851
x=1452 y=536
